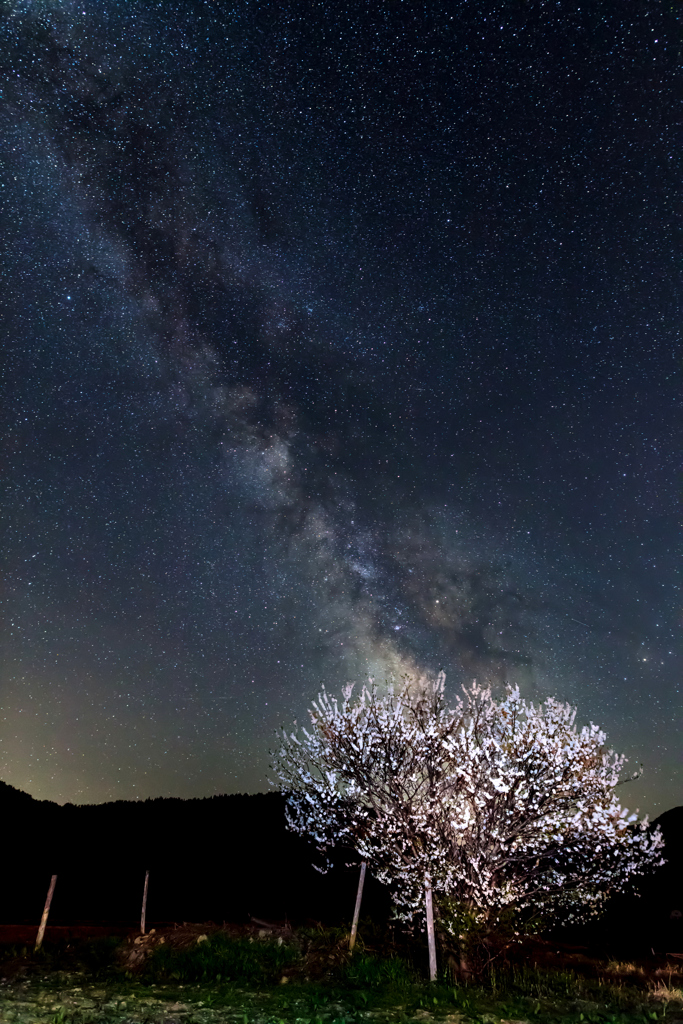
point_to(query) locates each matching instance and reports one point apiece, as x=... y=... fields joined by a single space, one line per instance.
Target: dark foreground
x=201 y=974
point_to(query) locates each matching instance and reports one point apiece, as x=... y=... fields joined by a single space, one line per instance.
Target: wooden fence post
x=356 y=911
x=429 y=909
x=143 y=915
x=46 y=911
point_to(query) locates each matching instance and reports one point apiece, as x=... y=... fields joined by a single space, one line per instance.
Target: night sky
x=339 y=338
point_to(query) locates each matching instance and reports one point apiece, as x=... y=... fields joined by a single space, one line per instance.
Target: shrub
x=222 y=959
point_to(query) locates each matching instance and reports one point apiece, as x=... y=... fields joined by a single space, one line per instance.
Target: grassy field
x=203 y=975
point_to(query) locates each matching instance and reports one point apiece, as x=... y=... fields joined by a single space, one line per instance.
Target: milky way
x=340 y=340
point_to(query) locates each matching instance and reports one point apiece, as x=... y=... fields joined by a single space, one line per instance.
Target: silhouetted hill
x=671 y=824
x=12 y=799
x=650 y=917
x=219 y=858
x=231 y=857
x=662 y=893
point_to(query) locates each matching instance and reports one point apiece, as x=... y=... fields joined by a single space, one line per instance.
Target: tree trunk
x=143 y=915
x=46 y=911
x=356 y=911
x=431 y=942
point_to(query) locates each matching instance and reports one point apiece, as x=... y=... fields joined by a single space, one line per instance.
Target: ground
x=261 y=974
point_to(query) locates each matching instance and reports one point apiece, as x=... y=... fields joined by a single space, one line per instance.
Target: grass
x=324 y=985
x=96 y=958
x=222 y=959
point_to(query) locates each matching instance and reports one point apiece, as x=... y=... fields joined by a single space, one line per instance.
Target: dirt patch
x=137 y=947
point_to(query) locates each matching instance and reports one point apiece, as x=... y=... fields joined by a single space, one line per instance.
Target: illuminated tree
x=489 y=805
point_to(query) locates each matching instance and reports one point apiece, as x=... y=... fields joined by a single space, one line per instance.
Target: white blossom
x=502 y=803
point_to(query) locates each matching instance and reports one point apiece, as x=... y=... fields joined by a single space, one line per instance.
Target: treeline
x=223 y=858
x=231 y=858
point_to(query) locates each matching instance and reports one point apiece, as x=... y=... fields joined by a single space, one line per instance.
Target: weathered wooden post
x=143 y=915
x=429 y=909
x=356 y=911
x=46 y=911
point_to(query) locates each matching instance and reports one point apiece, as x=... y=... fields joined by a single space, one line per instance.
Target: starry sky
x=339 y=339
